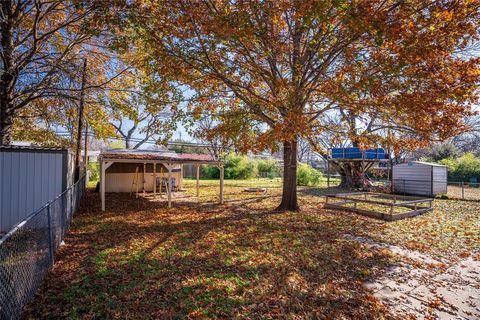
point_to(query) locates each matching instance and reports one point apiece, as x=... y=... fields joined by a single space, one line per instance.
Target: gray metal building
x=420 y=178
x=29 y=178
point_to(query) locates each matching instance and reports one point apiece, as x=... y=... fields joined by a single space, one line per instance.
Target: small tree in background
x=204 y=131
x=441 y=151
x=142 y=108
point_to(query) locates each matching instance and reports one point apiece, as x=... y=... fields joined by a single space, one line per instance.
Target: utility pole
x=80 y=122
x=85 y=150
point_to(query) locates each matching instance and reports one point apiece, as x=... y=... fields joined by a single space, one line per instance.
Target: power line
x=149 y=141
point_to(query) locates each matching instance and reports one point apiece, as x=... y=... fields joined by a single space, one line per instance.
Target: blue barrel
x=356 y=153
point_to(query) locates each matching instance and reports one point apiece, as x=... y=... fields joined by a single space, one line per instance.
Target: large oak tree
x=284 y=65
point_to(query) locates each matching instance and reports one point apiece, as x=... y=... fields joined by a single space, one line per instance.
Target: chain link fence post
x=70 y=214
x=50 y=237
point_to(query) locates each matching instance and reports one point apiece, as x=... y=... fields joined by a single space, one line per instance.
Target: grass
x=141 y=260
x=259 y=182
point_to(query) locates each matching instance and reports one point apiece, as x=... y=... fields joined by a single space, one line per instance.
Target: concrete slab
x=451 y=293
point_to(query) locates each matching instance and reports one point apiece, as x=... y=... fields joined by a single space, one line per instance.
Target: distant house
x=420 y=178
x=31 y=177
x=92 y=155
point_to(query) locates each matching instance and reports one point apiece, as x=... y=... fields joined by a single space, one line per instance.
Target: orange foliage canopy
x=270 y=71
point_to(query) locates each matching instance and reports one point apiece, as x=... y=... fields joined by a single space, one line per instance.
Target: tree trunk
x=80 y=123
x=6 y=122
x=7 y=79
x=351 y=175
x=6 y=108
x=289 y=195
x=349 y=179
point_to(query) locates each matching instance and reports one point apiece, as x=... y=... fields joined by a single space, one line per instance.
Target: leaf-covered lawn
x=141 y=260
x=451 y=231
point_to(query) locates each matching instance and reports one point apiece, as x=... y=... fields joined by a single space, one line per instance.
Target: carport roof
x=130 y=155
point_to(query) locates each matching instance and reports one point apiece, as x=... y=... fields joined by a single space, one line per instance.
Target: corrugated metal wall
x=29 y=179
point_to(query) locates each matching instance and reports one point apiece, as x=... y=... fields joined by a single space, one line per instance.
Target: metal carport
x=168 y=160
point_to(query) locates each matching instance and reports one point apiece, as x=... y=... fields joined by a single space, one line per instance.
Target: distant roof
x=201 y=157
x=135 y=154
x=91 y=153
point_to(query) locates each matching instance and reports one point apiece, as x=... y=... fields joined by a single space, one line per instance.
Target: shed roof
x=32 y=148
x=152 y=155
x=431 y=164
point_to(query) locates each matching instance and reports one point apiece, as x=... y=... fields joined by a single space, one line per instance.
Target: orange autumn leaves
x=284 y=66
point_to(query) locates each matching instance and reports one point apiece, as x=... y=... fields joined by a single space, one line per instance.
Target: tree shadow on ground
x=313 y=191
x=139 y=260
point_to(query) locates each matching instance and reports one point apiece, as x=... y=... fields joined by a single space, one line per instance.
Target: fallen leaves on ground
x=139 y=259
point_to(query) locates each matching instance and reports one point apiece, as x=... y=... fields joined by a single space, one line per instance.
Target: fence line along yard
x=451 y=189
x=27 y=251
x=463 y=190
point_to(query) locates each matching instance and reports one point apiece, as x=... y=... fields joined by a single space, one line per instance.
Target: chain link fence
x=463 y=190
x=450 y=189
x=27 y=251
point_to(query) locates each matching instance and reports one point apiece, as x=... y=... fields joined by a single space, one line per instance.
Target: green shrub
x=236 y=167
x=239 y=167
x=94 y=171
x=463 y=168
x=308 y=176
x=268 y=169
x=210 y=172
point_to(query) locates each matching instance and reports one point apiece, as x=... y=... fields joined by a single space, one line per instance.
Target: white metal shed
x=420 y=178
x=29 y=178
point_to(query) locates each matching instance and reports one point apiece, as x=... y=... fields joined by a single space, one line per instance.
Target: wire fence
x=27 y=251
x=463 y=190
x=429 y=188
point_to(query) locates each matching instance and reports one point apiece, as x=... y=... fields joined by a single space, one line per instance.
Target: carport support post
x=104 y=166
x=154 y=180
x=221 y=182
x=180 y=181
x=144 y=177
x=102 y=184
x=197 y=167
x=328 y=173
x=169 y=184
